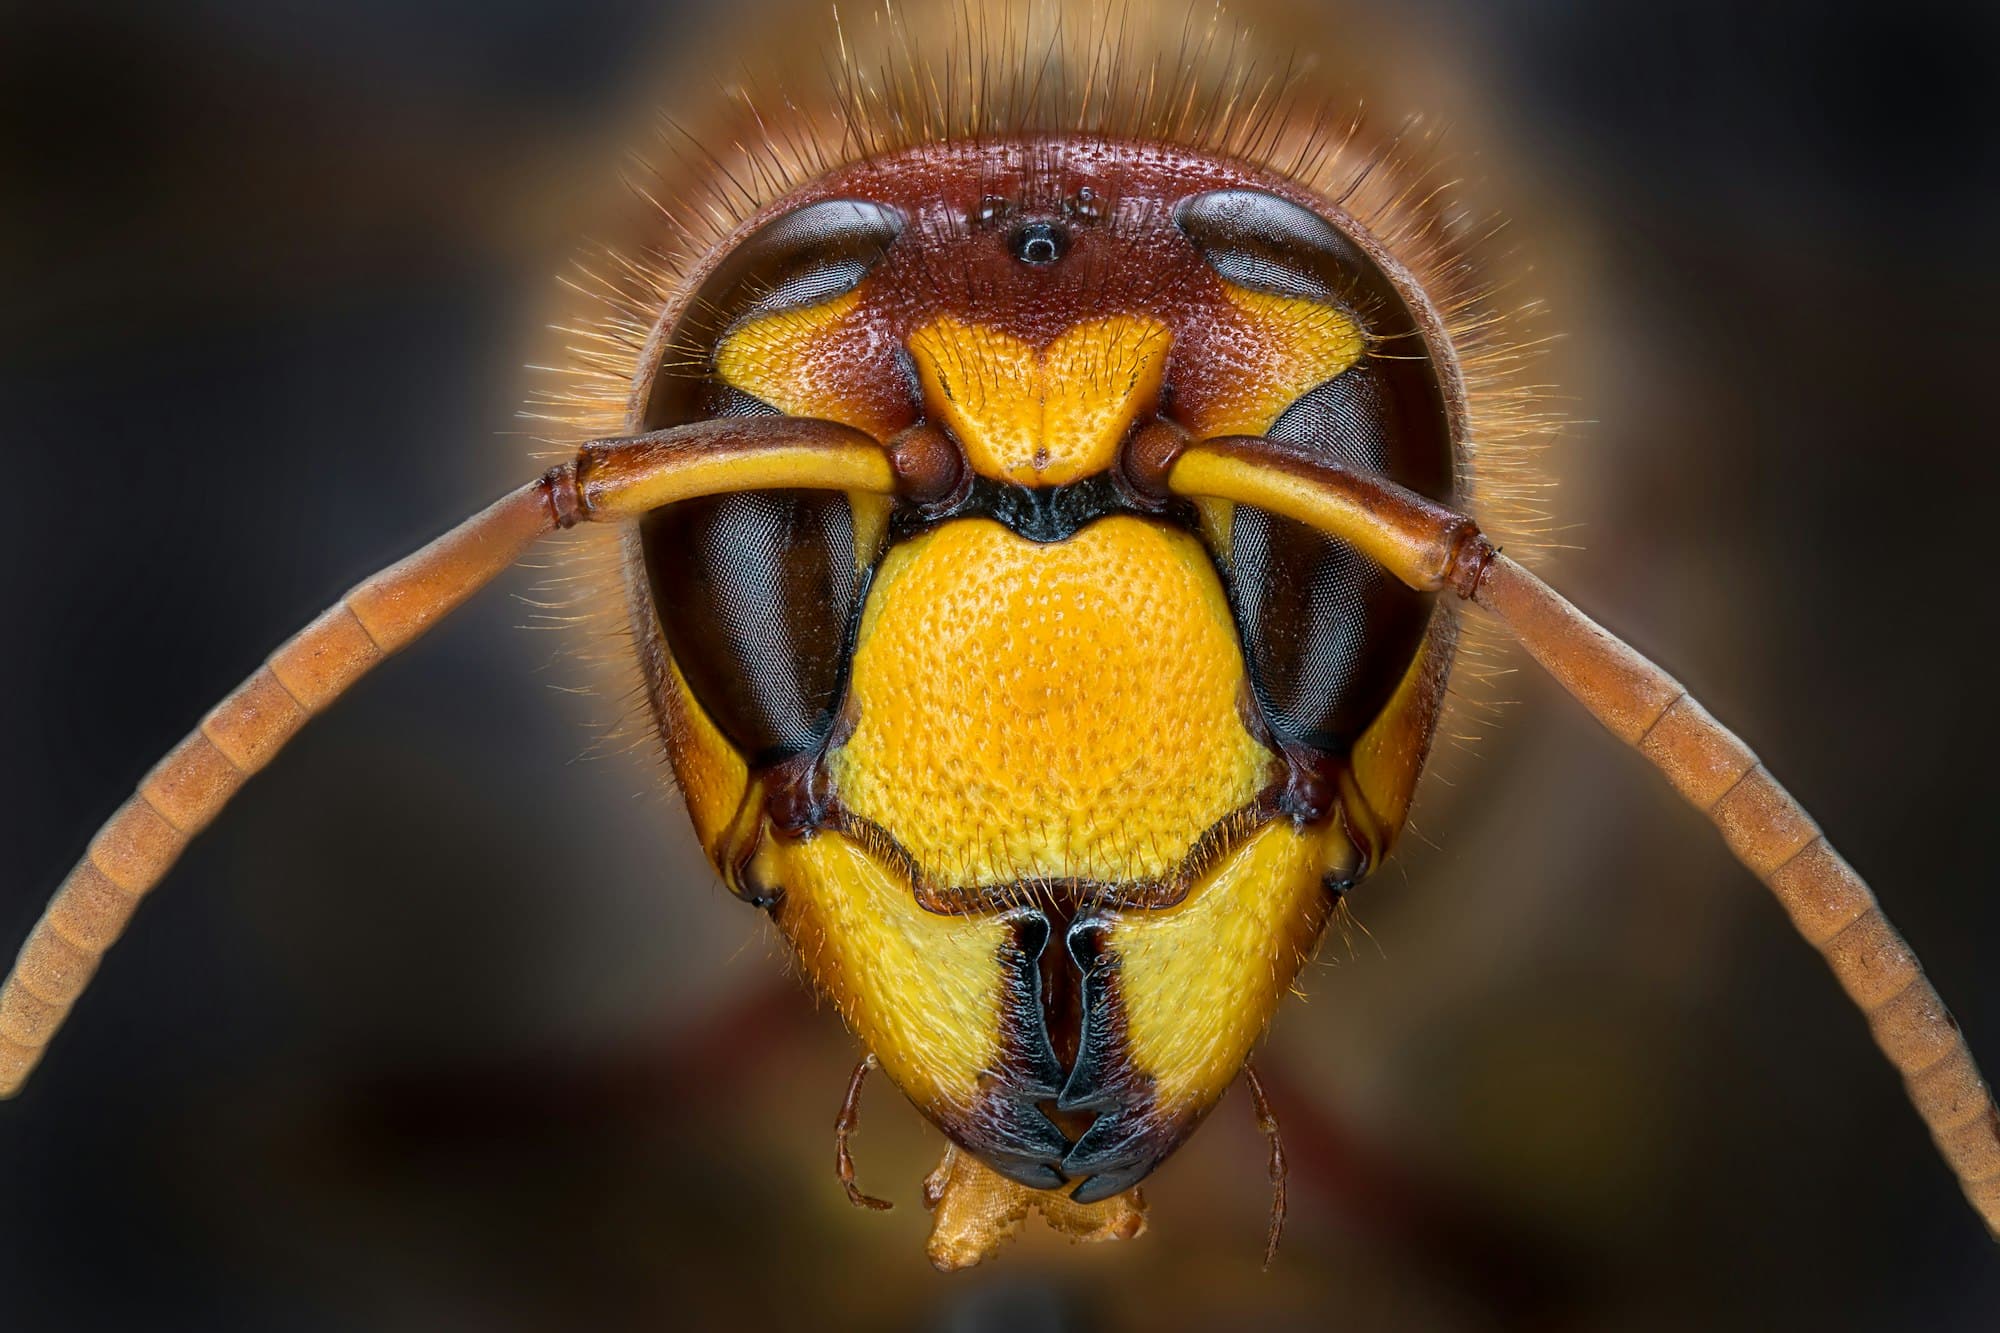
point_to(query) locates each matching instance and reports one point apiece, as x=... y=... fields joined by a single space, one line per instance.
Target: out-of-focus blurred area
x=446 y=1024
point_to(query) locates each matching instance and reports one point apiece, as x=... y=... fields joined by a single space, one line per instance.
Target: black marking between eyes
x=1042 y=514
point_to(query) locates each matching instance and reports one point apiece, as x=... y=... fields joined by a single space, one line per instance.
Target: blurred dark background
x=446 y=1026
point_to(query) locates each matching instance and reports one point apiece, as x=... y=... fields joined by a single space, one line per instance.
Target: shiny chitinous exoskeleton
x=1051 y=784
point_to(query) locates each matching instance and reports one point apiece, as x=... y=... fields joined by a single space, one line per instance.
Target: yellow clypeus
x=1028 y=711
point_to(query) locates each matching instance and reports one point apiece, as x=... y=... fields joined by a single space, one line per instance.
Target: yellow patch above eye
x=1292 y=346
x=1031 y=711
x=801 y=362
x=1041 y=418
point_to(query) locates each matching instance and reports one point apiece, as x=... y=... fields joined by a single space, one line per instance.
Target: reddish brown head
x=1106 y=756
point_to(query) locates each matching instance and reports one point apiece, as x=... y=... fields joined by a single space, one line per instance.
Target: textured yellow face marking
x=922 y=991
x=1199 y=980
x=1048 y=711
x=797 y=361
x=1296 y=346
x=1041 y=418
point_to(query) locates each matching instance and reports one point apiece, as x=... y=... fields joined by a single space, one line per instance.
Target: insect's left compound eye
x=757 y=593
x=1328 y=635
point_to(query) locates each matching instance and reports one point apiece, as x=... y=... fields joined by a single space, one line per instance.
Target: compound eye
x=1328 y=636
x=1271 y=245
x=757 y=594
x=801 y=258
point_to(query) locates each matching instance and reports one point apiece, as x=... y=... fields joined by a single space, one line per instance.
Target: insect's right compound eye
x=757 y=594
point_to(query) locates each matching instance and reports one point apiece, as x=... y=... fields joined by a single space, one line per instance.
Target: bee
x=1046 y=494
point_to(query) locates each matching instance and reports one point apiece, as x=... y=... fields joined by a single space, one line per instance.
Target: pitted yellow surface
x=1048 y=711
x=1041 y=418
x=1200 y=980
x=920 y=990
x=797 y=361
x=1293 y=346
